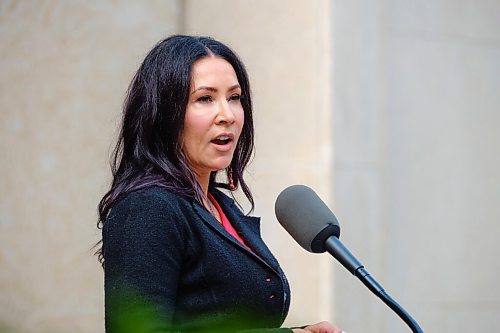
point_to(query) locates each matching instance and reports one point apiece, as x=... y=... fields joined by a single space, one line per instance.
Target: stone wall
x=65 y=68
x=416 y=109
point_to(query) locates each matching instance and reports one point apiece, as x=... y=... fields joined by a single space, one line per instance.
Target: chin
x=221 y=166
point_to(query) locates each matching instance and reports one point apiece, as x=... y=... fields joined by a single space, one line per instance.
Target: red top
x=225 y=222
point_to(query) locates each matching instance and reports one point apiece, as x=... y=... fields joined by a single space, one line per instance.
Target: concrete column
x=417 y=157
x=286 y=47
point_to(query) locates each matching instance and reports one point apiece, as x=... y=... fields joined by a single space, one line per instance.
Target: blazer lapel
x=209 y=219
x=248 y=227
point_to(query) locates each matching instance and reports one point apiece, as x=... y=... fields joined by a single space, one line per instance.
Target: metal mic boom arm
x=335 y=247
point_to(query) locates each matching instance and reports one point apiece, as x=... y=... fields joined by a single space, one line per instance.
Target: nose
x=225 y=114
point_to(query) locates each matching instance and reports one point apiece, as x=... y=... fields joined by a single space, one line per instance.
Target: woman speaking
x=178 y=254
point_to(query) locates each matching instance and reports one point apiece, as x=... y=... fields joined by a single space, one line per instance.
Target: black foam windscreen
x=306 y=217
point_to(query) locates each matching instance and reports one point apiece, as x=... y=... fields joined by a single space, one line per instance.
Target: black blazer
x=171 y=266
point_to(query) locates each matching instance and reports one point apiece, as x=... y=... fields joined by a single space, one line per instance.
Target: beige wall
x=417 y=108
x=65 y=67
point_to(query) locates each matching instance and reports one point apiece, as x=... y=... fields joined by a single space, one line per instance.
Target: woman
x=178 y=254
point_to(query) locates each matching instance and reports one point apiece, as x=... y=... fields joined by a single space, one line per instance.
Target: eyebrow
x=236 y=86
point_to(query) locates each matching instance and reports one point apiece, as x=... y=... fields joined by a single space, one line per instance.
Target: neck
x=204 y=180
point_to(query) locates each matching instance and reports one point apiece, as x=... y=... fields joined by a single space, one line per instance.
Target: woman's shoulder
x=152 y=216
x=150 y=206
x=150 y=196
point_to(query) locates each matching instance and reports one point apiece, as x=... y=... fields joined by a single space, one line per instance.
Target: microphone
x=314 y=226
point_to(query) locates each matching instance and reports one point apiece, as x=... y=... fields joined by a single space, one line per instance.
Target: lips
x=223 y=139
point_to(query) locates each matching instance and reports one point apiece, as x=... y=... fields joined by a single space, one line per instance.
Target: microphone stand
x=335 y=247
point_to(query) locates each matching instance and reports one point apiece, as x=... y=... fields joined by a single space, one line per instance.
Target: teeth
x=222 y=140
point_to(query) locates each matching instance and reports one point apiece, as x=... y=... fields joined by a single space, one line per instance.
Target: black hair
x=148 y=151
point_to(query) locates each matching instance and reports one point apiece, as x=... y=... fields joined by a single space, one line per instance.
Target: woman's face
x=214 y=116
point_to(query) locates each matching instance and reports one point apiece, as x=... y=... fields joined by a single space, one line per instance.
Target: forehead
x=212 y=71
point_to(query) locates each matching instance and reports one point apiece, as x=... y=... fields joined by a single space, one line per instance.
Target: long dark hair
x=148 y=152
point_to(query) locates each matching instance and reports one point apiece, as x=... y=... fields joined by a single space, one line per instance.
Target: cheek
x=188 y=137
x=195 y=127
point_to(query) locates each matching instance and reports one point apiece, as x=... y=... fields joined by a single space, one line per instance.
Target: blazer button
x=272 y=296
x=268 y=280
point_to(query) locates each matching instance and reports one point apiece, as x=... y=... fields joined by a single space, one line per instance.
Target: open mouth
x=222 y=140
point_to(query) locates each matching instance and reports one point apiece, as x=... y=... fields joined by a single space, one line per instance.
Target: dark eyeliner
x=235 y=97
x=204 y=99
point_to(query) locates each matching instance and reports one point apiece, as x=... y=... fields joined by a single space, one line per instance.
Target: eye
x=235 y=97
x=204 y=99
